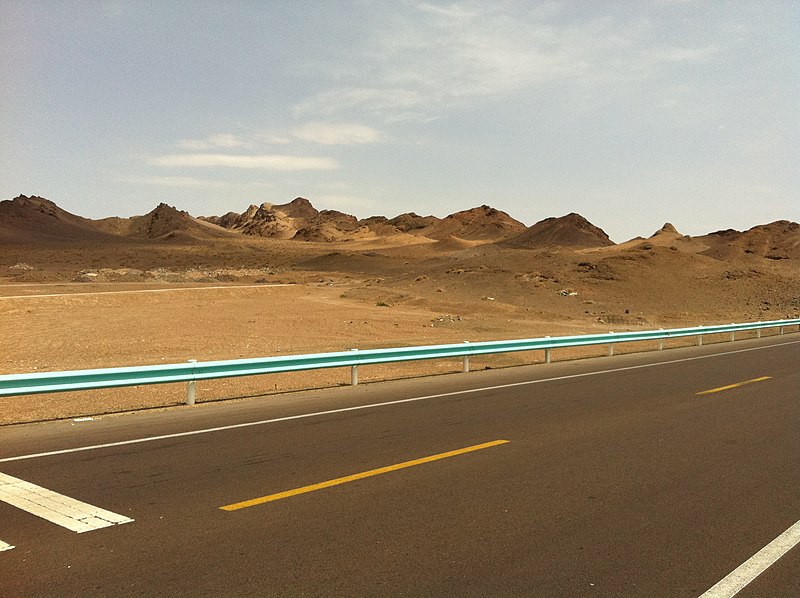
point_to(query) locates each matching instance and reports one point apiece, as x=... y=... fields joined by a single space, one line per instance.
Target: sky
x=631 y=114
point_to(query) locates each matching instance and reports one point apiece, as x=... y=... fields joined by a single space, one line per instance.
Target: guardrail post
x=733 y=335
x=354 y=373
x=466 y=360
x=661 y=342
x=547 y=354
x=611 y=346
x=699 y=340
x=781 y=330
x=758 y=332
x=191 y=389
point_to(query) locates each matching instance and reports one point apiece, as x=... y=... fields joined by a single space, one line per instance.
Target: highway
x=655 y=474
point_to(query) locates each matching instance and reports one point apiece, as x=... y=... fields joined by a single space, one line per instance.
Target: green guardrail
x=191 y=372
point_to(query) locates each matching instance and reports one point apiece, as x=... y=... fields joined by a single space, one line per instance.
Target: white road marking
x=131 y=291
x=54 y=507
x=93 y=447
x=5 y=546
x=755 y=565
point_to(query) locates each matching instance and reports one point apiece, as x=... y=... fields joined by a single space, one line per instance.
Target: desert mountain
x=666 y=230
x=33 y=219
x=163 y=222
x=412 y=223
x=571 y=231
x=300 y=220
x=268 y=220
x=483 y=223
x=778 y=240
x=258 y=221
x=668 y=236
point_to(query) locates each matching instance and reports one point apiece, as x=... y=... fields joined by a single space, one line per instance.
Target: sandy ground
x=59 y=327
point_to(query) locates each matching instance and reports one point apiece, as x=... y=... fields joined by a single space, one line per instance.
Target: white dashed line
x=54 y=507
x=755 y=565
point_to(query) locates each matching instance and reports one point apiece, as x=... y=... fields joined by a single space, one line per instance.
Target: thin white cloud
x=336 y=134
x=227 y=140
x=170 y=181
x=683 y=54
x=222 y=140
x=316 y=132
x=453 y=11
x=440 y=57
x=272 y=139
x=265 y=162
x=391 y=100
x=185 y=182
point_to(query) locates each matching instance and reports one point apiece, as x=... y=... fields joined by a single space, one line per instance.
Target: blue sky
x=629 y=113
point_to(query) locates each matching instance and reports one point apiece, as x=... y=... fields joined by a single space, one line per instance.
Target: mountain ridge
x=35 y=219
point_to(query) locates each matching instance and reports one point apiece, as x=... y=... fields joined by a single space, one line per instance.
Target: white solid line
x=54 y=507
x=371 y=406
x=5 y=546
x=131 y=291
x=755 y=565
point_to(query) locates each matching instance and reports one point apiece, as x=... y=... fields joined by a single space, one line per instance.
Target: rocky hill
x=483 y=223
x=33 y=219
x=269 y=220
x=571 y=231
x=775 y=241
x=164 y=222
x=300 y=220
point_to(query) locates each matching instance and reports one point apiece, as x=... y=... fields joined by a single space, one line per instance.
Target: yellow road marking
x=737 y=385
x=358 y=476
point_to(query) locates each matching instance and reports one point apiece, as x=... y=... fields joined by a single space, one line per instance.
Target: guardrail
x=193 y=371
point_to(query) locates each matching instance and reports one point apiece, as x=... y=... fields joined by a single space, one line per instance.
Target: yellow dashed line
x=737 y=385
x=358 y=476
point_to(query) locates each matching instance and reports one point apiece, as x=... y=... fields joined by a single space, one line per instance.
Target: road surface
x=655 y=474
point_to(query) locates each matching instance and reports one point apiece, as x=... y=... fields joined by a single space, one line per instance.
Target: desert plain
x=167 y=287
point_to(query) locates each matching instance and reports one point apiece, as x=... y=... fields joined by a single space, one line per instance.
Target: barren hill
x=258 y=221
x=35 y=219
x=269 y=220
x=300 y=220
x=483 y=223
x=775 y=241
x=412 y=223
x=298 y=208
x=571 y=231
x=164 y=222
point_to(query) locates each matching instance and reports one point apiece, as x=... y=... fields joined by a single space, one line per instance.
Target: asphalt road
x=616 y=479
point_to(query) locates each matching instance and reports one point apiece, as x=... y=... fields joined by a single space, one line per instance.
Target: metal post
x=699 y=340
x=758 y=332
x=191 y=389
x=661 y=342
x=610 y=350
x=733 y=336
x=466 y=360
x=547 y=355
x=781 y=330
x=354 y=373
